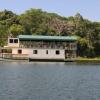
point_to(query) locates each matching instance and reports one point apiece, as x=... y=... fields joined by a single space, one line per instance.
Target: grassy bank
x=80 y=59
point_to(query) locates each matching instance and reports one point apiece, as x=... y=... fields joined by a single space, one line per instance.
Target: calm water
x=49 y=81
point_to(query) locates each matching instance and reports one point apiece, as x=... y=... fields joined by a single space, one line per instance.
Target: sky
x=89 y=9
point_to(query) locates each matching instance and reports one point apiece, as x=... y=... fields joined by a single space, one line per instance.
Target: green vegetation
x=38 y=22
x=88 y=60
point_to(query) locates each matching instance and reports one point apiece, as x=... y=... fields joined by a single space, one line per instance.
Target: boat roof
x=47 y=38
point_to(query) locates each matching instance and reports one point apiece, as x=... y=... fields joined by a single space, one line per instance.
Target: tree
x=16 y=30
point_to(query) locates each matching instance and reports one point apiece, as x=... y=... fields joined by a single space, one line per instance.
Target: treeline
x=38 y=22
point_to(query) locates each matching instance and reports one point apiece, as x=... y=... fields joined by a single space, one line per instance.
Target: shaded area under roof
x=48 y=38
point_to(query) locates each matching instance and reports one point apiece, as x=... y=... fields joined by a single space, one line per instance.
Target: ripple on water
x=49 y=81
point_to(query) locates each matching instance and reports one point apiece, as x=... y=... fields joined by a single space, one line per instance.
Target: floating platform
x=52 y=60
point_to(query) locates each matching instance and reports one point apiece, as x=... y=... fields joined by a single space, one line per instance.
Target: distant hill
x=38 y=22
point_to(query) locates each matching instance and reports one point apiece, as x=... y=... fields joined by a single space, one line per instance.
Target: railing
x=49 y=45
x=13 y=56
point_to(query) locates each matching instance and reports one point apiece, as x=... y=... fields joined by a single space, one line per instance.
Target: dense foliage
x=38 y=22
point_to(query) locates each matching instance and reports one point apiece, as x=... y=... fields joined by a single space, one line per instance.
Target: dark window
x=19 y=51
x=46 y=51
x=35 y=51
x=57 y=52
x=15 y=40
x=11 y=40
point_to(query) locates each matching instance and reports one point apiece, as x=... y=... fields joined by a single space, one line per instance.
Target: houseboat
x=47 y=48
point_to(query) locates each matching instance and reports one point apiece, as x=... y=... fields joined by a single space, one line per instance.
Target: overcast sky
x=89 y=9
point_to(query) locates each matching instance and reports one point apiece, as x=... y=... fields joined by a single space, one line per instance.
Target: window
x=19 y=51
x=15 y=40
x=11 y=41
x=35 y=51
x=57 y=52
x=46 y=51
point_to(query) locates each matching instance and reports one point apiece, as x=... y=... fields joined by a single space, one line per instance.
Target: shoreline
x=77 y=60
x=91 y=60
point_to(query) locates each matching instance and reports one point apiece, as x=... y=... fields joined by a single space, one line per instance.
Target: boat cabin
x=36 y=47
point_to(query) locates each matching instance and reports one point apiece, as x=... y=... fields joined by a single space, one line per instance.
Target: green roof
x=50 y=38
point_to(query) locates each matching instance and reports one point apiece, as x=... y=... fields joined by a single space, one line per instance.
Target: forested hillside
x=38 y=22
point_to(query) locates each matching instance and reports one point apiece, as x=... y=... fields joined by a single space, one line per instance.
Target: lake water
x=49 y=81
